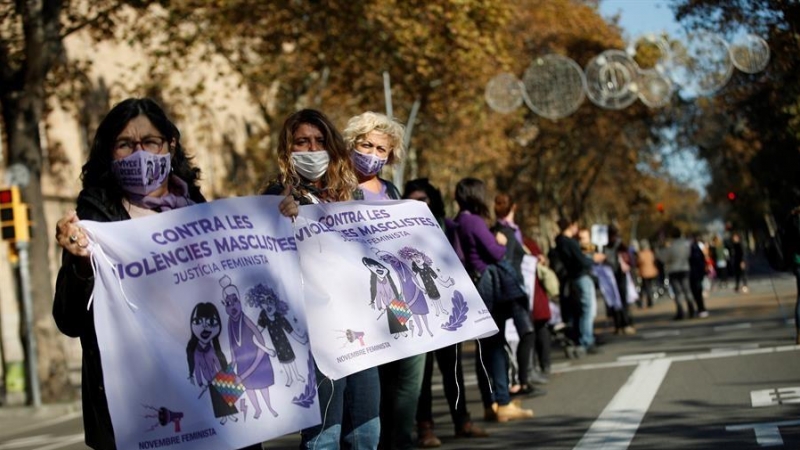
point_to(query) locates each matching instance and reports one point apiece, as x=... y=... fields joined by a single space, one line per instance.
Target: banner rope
x=95 y=253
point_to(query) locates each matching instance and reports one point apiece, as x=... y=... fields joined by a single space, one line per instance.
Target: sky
x=639 y=17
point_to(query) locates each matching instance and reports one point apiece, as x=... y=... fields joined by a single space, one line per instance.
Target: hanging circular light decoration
x=554 y=86
x=700 y=64
x=504 y=93
x=654 y=89
x=611 y=80
x=750 y=53
x=649 y=51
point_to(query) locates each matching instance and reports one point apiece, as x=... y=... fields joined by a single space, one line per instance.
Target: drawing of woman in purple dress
x=205 y=357
x=249 y=353
x=412 y=293
x=422 y=266
x=273 y=318
x=383 y=292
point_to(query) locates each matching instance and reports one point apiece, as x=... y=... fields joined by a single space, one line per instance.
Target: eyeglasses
x=152 y=144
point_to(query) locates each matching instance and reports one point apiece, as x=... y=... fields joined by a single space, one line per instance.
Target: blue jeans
x=401 y=381
x=679 y=281
x=492 y=355
x=588 y=304
x=350 y=413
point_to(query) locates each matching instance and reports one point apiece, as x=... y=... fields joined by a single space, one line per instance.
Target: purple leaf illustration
x=458 y=314
x=306 y=399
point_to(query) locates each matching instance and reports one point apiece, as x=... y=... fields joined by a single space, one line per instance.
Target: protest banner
x=204 y=314
x=200 y=323
x=381 y=283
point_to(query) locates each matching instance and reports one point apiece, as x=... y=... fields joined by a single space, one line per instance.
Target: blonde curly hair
x=362 y=124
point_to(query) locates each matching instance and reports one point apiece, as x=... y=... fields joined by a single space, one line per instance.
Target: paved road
x=730 y=381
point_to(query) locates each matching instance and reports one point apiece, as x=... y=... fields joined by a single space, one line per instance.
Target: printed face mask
x=311 y=165
x=367 y=164
x=142 y=172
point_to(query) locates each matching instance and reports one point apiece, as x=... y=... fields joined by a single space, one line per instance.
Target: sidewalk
x=18 y=419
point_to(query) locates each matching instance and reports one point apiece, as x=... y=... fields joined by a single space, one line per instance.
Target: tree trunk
x=22 y=114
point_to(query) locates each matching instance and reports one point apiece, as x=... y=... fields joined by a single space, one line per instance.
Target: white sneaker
x=703 y=314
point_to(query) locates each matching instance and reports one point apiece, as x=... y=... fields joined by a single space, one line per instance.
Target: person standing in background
x=448 y=358
x=481 y=250
x=505 y=209
x=676 y=265
x=579 y=268
x=697 y=272
x=739 y=263
x=719 y=254
x=648 y=271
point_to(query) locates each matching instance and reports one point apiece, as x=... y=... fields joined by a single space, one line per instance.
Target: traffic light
x=731 y=196
x=15 y=220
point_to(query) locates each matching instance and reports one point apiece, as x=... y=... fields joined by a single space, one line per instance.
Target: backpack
x=549 y=280
x=557 y=264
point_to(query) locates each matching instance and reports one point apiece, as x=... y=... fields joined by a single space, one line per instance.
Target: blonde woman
x=375 y=140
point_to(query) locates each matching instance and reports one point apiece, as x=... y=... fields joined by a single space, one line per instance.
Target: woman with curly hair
x=313 y=161
x=315 y=167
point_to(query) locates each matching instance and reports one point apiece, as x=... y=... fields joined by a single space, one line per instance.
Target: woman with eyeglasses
x=136 y=167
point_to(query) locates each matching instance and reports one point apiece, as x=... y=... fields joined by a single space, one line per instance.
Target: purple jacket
x=478 y=243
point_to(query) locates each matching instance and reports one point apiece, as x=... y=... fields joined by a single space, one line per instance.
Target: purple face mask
x=142 y=172
x=367 y=164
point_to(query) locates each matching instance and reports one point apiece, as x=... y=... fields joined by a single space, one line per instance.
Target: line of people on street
x=539 y=295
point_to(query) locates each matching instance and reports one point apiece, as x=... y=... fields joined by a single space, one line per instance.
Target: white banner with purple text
x=382 y=283
x=203 y=342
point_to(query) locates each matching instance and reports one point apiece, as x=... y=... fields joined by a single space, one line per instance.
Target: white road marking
x=738 y=326
x=642 y=357
x=617 y=424
x=744 y=347
x=660 y=334
x=767 y=434
x=772 y=397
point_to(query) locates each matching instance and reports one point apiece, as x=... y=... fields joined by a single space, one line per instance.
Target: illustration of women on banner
x=422 y=266
x=206 y=360
x=384 y=293
x=273 y=318
x=412 y=293
x=249 y=353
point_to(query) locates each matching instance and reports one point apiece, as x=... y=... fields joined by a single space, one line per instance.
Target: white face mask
x=311 y=165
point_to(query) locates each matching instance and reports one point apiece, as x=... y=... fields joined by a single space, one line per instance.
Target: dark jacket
x=575 y=262
x=74 y=320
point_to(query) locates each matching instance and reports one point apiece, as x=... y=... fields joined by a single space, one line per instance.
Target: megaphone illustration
x=166 y=416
